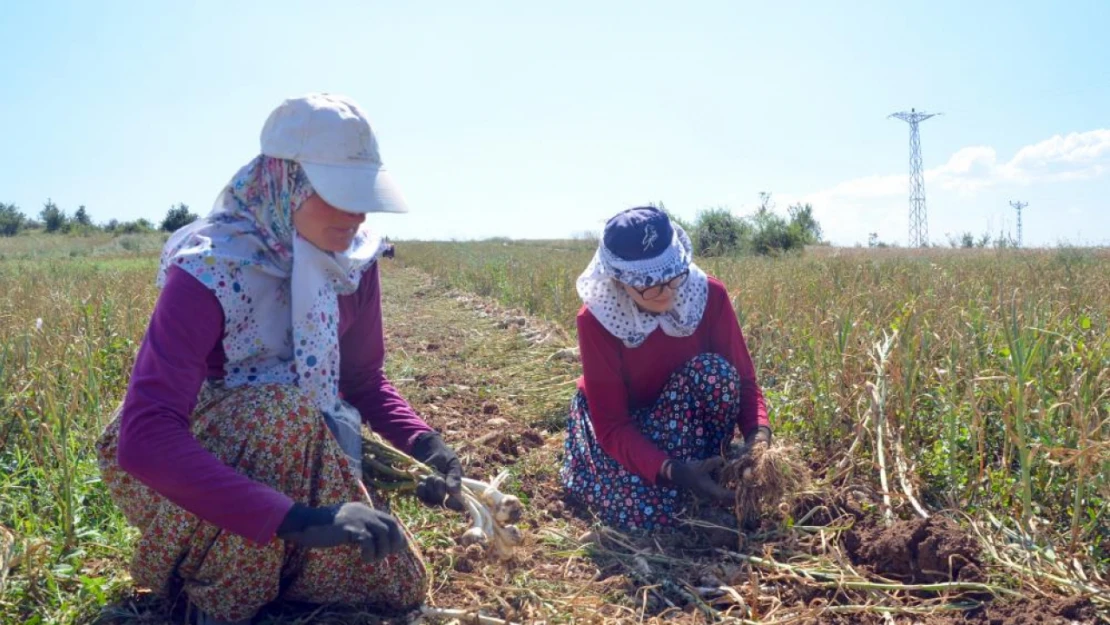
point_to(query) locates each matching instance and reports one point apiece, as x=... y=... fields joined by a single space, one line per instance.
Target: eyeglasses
x=653 y=292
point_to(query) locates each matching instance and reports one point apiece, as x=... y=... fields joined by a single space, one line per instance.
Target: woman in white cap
x=666 y=378
x=236 y=450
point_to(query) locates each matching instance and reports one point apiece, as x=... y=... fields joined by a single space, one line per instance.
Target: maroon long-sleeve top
x=619 y=380
x=182 y=348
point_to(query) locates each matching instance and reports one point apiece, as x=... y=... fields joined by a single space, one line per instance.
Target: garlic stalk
x=506 y=508
x=491 y=512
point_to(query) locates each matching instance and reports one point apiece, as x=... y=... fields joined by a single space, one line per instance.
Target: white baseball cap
x=330 y=137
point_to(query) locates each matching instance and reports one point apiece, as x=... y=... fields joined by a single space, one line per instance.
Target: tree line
x=718 y=232
x=55 y=220
x=715 y=232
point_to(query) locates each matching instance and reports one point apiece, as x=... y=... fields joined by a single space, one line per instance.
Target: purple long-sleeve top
x=183 y=346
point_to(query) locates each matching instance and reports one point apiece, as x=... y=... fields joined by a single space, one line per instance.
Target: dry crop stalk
x=880 y=356
x=7 y=555
x=492 y=513
x=763 y=476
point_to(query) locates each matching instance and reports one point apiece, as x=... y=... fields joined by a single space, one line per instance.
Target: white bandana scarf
x=279 y=293
x=616 y=310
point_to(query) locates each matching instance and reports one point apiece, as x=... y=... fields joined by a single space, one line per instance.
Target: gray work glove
x=376 y=533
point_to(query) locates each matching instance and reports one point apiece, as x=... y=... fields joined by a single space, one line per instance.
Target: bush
x=717 y=232
x=11 y=220
x=130 y=243
x=135 y=227
x=773 y=234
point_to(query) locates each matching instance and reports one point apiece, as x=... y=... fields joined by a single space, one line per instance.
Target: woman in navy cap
x=666 y=378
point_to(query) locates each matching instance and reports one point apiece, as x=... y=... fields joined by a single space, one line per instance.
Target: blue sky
x=542 y=119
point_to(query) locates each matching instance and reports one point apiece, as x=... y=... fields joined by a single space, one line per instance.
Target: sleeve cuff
x=268 y=530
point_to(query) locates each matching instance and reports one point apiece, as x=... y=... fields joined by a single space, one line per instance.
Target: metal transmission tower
x=919 y=223
x=1018 y=206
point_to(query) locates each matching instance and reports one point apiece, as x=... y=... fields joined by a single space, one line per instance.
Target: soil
x=916 y=551
x=1043 y=612
x=1075 y=611
x=1059 y=611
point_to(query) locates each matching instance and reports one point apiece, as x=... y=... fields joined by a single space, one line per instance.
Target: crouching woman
x=666 y=378
x=236 y=452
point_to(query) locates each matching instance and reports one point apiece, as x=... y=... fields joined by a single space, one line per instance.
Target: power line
x=1018 y=206
x=919 y=222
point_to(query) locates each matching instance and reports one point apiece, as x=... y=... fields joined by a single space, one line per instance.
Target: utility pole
x=919 y=222
x=1018 y=206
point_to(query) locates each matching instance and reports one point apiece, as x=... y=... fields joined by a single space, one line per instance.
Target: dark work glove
x=761 y=434
x=436 y=490
x=376 y=533
x=697 y=477
x=735 y=450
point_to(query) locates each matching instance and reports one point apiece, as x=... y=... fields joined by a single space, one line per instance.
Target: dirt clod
x=556 y=509
x=531 y=439
x=917 y=551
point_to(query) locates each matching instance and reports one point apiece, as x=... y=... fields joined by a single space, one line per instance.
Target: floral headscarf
x=660 y=250
x=278 y=291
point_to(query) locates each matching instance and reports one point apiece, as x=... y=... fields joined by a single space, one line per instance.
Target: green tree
x=81 y=217
x=178 y=217
x=53 y=218
x=803 y=224
x=11 y=220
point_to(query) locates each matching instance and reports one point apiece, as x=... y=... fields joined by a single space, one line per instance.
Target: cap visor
x=356 y=189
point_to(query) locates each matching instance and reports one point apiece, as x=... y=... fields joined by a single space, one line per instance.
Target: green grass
x=58 y=384
x=40 y=246
x=998 y=381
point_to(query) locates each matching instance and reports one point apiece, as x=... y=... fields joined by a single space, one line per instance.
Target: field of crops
x=977 y=384
x=993 y=367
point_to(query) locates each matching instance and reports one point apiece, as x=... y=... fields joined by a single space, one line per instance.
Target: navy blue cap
x=638 y=233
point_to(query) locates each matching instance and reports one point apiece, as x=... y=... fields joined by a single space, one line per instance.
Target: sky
x=541 y=120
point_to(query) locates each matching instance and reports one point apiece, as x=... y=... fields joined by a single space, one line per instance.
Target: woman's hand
x=435 y=490
x=737 y=450
x=761 y=434
x=378 y=534
x=697 y=477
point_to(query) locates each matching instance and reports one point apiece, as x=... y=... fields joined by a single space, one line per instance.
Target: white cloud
x=878 y=202
x=1076 y=156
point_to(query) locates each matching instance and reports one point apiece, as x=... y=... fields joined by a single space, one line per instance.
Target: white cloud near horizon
x=852 y=208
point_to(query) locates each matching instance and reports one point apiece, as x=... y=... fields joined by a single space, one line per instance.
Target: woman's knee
x=713 y=364
x=707 y=374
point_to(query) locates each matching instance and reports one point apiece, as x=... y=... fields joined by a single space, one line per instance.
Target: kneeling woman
x=666 y=377
x=236 y=452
